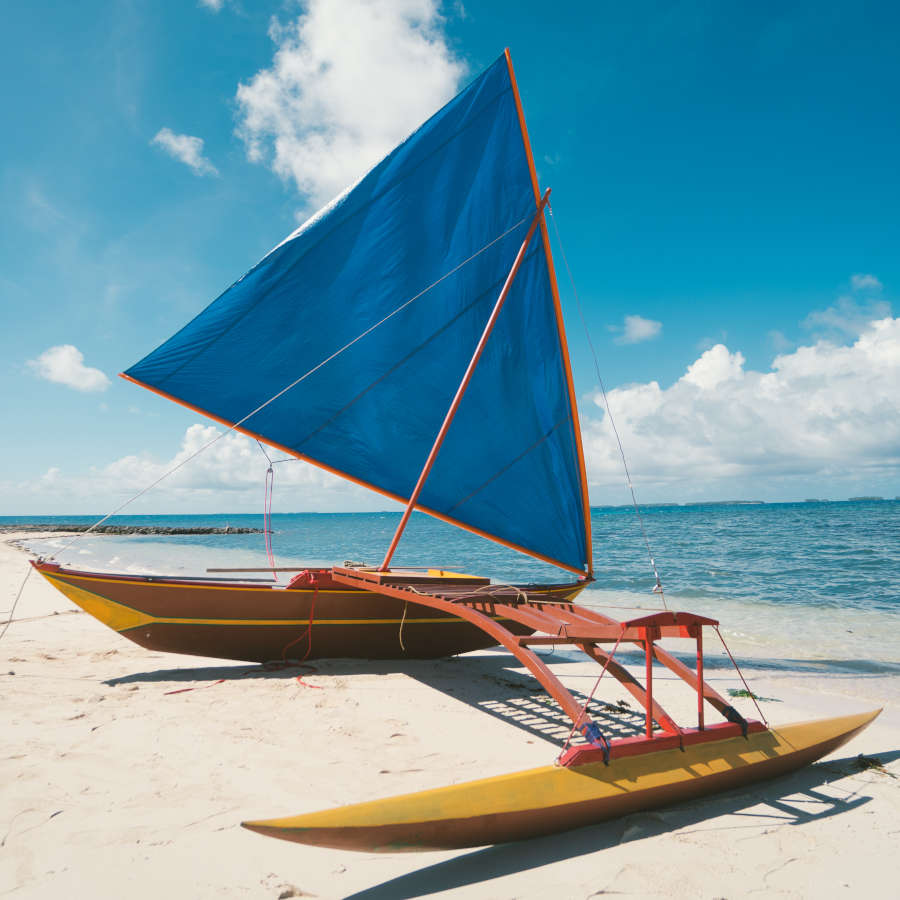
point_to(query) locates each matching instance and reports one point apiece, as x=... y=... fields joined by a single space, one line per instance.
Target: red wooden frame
x=556 y=622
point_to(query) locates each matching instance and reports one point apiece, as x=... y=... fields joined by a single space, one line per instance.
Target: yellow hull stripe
x=115 y=615
x=122 y=618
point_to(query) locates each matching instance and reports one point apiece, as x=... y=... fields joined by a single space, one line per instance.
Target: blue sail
x=382 y=298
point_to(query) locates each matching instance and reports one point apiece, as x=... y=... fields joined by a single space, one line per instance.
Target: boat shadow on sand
x=795 y=799
x=491 y=684
x=494 y=684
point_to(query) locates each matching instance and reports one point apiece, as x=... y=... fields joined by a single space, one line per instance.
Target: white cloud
x=348 y=82
x=864 y=282
x=779 y=341
x=847 y=317
x=715 y=366
x=50 y=478
x=229 y=475
x=214 y=5
x=186 y=149
x=635 y=329
x=233 y=463
x=825 y=411
x=65 y=365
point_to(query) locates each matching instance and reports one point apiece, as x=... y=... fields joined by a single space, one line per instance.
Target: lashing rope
x=590 y=698
x=185 y=690
x=275 y=665
x=521 y=596
x=310 y=578
x=402 y=622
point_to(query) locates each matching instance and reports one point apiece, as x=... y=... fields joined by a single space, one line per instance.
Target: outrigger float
x=415 y=320
x=593 y=781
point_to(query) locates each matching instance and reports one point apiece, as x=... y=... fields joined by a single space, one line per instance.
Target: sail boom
x=355 y=480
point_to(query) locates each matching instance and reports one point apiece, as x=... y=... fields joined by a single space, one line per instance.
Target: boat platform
x=589 y=782
x=562 y=622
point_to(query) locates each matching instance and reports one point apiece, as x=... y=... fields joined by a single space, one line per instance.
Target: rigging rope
x=267 y=519
x=294 y=383
x=587 y=702
x=746 y=686
x=267 y=511
x=658 y=588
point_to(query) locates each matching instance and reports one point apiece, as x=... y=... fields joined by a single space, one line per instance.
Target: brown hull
x=258 y=623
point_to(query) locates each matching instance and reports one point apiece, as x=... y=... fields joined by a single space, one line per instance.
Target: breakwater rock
x=128 y=529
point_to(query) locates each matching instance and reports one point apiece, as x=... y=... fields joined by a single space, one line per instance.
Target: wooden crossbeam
x=558 y=623
x=633 y=686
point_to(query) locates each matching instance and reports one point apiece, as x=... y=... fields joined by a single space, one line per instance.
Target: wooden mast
x=460 y=391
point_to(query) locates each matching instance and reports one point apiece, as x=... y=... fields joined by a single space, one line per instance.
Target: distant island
x=687 y=503
x=726 y=503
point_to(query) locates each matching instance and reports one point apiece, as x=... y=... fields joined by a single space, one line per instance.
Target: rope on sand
x=12 y=612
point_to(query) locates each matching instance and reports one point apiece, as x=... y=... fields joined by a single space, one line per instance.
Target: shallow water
x=800 y=581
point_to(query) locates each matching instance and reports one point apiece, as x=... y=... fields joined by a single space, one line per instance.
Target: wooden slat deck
x=555 y=621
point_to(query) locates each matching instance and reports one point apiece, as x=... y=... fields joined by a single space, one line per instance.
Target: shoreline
x=69 y=528
x=129 y=770
x=847 y=638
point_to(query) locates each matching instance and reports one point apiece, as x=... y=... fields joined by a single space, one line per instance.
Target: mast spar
x=538 y=217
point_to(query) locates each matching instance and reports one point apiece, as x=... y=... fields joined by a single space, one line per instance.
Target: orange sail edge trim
x=560 y=326
x=352 y=478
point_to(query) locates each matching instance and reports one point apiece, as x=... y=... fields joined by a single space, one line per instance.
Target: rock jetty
x=129 y=529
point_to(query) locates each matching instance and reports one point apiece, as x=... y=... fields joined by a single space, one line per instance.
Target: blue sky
x=724 y=178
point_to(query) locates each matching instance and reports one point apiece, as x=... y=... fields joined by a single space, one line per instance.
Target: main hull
x=259 y=622
x=554 y=798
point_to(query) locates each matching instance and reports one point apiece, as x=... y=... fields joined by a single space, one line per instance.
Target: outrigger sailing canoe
x=311 y=617
x=409 y=338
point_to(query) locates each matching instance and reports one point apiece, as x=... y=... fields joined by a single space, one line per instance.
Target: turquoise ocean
x=793 y=584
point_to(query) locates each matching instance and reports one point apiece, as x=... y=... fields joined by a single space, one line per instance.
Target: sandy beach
x=126 y=773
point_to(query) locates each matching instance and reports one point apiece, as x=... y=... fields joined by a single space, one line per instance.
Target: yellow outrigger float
x=556 y=798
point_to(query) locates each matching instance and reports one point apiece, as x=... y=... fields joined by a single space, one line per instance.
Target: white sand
x=113 y=787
